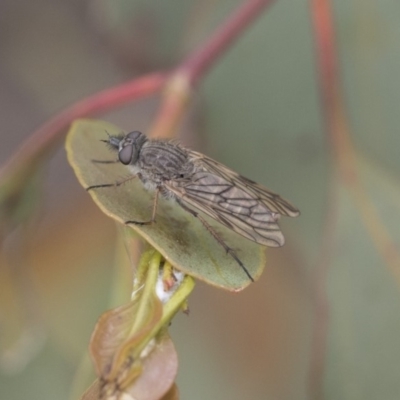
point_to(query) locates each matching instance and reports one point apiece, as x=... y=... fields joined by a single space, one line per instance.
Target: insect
x=199 y=183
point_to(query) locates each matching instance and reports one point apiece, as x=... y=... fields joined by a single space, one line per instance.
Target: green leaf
x=177 y=235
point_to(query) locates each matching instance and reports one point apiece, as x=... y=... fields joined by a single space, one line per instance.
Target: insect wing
x=231 y=199
x=271 y=200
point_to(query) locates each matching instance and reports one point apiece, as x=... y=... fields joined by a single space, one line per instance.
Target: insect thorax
x=161 y=161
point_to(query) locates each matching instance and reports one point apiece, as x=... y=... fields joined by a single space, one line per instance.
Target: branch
x=196 y=65
x=47 y=136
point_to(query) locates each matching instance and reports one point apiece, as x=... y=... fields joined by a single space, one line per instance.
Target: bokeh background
x=257 y=111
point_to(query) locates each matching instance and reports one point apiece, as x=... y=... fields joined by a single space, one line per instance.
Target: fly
x=199 y=183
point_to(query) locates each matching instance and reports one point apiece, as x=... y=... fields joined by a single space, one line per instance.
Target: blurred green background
x=258 y=111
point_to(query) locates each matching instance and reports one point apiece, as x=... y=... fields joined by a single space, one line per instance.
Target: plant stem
x=198 y=63
x=47 y=136
x=194 y=67
x=151 y=276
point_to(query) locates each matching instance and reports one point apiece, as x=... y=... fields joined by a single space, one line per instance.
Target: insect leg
x=115 y=184
x=216 y=236
x=153 y=215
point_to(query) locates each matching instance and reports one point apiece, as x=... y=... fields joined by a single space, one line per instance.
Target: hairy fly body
x=198 y=183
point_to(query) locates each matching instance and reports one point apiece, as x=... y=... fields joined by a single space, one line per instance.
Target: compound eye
x=125 y=154
x=134 y=135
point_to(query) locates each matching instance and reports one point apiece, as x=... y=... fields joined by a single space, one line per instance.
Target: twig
x=47 y=136
x=196 y=65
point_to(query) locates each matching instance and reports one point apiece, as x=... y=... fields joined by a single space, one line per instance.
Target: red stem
x=332 y=108
x=47 y=136
x=197 y=64
x=327 y=64
x=187 y=74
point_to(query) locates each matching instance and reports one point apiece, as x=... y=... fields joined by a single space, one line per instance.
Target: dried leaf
x=155 y=383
